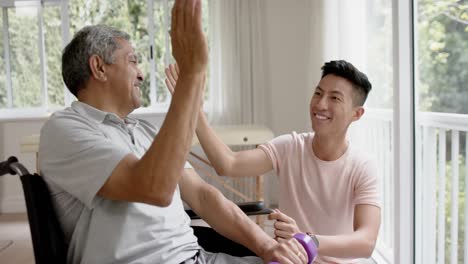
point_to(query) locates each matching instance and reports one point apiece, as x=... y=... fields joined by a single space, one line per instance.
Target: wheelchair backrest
x=47 y=236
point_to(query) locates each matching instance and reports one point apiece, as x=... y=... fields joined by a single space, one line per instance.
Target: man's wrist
x=314 y=239
x=265 y=247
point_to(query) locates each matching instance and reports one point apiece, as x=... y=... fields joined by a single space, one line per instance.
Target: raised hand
x=285 y=226
x=189 y=46
x=172 y=74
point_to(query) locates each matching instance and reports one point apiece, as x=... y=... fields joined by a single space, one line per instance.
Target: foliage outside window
x=35 y=41
x=441 y=60
x=442 y=56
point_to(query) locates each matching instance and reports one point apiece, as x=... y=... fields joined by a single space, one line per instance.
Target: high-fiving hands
x=189 y=45
x=172 y=75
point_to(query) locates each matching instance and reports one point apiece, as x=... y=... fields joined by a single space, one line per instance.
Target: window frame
x=404 y=131
x=9 y=112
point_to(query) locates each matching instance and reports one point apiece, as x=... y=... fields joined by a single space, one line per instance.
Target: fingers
x=188 y=15
x=283 y=234
x=170 y=77
x=302 y=252
x=198 y=15
x=169 y=86
x=177 y=15
x=295 y=251
x=189 y=46
x=286 y=228
x=279 y=216
x=174 y=71
x=289 y=251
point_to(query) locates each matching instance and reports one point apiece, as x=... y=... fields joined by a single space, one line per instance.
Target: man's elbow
x=161 y=196
x=160 y=200
x=368 y=246
x=221 y=170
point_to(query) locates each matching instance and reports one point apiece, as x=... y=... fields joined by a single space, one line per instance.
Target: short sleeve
x=77 y=157
x=366 y=190
x=277 y=150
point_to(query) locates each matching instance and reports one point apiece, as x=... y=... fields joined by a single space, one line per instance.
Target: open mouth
x=321 y=117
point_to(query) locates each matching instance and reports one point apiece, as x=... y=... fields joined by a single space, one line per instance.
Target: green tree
x=442 y=60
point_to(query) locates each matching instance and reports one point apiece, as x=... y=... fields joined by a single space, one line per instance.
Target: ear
x=97 y=66
x=358 y=112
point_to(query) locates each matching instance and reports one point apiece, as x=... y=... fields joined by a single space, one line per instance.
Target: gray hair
x=100 y=40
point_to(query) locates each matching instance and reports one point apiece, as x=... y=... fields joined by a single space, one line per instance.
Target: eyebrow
x=332 y=92
x=133 y=56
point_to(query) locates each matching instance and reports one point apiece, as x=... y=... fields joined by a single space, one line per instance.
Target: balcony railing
x=440 y=162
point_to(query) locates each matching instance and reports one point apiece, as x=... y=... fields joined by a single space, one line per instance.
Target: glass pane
x=3 y=95
x=129 y=16
x=441 y=60
x=24 y=56
x=161 y=33
x=379 y=120
x=162 y=28
x=365 y=39
x=53 y=50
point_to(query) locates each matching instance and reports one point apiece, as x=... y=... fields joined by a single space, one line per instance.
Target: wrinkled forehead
x=125 y=44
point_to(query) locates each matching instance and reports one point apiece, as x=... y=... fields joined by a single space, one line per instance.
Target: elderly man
x=118 y=182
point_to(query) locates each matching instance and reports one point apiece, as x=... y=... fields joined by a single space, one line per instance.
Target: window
x=35 y=32
x=441 y=58
x=3 y=90
x=361 y=32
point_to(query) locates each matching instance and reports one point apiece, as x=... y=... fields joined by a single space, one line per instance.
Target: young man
x=327 y=188
x=117 y=182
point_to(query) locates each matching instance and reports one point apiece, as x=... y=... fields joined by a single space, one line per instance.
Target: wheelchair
x=48 y=240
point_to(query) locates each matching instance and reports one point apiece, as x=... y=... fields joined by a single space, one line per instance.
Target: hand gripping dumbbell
x=309 y=246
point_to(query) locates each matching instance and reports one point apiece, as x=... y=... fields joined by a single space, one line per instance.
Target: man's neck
x=329 y=148
x=102 y=103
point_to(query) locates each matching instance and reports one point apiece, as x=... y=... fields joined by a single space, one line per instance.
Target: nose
x=321 y=103
x=140 y=75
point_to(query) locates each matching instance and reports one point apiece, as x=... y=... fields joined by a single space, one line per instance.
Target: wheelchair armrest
x=249 y=208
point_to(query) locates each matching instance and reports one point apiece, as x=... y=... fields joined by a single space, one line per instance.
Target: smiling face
x=331 y=107
x=125 y=77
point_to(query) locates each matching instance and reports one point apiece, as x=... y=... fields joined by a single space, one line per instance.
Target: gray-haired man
x=117 y=182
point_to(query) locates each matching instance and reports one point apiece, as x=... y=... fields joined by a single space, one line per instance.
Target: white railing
x=439 y=138
x=373 y=134
x=439 y=187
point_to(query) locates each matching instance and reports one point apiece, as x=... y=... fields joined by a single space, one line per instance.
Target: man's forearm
x=163 y=163
x=219 y=154
x=227 y=219
x=355 y=245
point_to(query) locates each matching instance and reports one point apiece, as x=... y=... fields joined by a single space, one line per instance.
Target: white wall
x=288 y=53
x=288 y=47
x=11 y=133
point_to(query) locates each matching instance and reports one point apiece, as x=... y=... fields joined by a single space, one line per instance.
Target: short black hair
x=346 y=70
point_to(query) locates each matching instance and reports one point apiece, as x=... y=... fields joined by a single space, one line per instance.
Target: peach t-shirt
x=321 y=195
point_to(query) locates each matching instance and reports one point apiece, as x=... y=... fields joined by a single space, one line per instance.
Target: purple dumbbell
x=309 y=246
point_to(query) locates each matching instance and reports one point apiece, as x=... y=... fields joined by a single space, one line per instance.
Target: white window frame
x=10 y=113
x=404 y=127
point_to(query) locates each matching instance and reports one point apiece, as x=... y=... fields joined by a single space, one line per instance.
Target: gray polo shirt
x=79 y=148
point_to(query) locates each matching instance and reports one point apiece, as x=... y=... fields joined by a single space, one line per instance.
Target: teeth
x=321 y=117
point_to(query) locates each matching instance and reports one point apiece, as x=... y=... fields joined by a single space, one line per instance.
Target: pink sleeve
x=277 y=149
x=366 y=190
